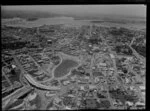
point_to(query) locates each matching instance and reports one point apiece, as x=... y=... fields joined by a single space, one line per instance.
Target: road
x=9 y=99
x=30 y=79
x=7 y=79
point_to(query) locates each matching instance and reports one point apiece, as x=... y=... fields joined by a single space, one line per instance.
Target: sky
x=126 y=10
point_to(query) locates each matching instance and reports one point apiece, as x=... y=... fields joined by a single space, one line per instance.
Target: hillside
x=25 y=14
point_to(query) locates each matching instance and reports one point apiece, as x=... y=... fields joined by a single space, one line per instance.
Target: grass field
x=64 y=68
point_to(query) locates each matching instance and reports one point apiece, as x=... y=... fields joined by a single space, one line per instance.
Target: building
x=142 y=87
x=112 y=56
x=49 y=41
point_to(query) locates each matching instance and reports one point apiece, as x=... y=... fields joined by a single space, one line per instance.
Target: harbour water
x=69 y=21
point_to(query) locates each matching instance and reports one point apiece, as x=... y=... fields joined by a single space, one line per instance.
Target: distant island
x=102 y=21
x=32 y=19
x=96 y=21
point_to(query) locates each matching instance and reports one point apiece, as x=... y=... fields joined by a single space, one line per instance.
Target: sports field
x=64 y=68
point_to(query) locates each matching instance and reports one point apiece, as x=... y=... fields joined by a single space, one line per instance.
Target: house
x=129 y=103
x=142 y=87
x=139 y=104
x=102 y=64
x=13 y=66
x=32 y=96
x=112 y=56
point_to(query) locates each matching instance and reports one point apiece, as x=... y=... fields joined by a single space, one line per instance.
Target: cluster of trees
x=121 y=31
x=140 y=49
x=69 y=101
x=104 y=104
x=122 y=35
x=124 y=49
x=95 y=40
x=123 y=96
x=7 y=39
x=14 y=45
x=93 y=104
